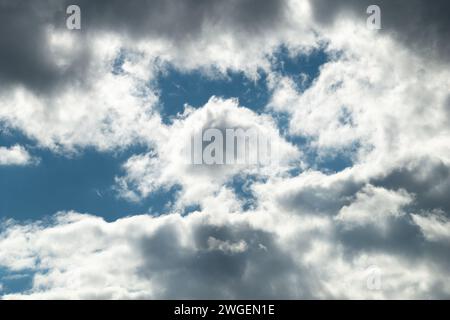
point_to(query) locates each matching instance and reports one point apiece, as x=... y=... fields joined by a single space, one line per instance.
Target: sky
x=97 y=202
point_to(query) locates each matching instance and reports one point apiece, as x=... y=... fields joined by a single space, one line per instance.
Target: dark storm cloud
x=180 y=19
x=26 y=58
x=428 y=179
x=263 y=270
x=320 y=199
x=447 y=110
x=420 y=24
x=402 y=238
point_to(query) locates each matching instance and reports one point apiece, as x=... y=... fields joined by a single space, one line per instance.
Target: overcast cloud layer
x=379 y=228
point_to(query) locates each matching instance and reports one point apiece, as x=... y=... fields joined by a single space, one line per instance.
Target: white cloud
x=374 y=206
x=15 y=155
x=214 y=254
x=145 y=257
x=106 y=111
x=435 y=227
x=167 y=165
x=375 y=95
x=226 y=246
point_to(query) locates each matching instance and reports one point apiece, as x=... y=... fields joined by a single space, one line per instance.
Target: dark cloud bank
x=25 y=57
x=422 y=25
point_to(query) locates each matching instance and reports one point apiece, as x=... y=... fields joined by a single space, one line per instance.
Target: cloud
x=427 y=178
x=374 y=206
x=167 y=165
x=113 y=61
x=15 y=155
x=28 y=57
x=141 y=18
x=434 y=227
x=148 y=257
x=310 y=193
x=421 y=26
x=114 y=110
x=381 y=100
x=216 y=254
x=32 y=59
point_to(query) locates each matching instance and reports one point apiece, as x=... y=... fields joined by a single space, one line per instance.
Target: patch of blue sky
x=241 y=186
x=195 y=88
x=118 y=62
x=83 y=183
x=334 y=160
x=191 y=208
x=301 y=68
x=330 y=161
x=161 y=200
x=15 y=281
x=10 y=137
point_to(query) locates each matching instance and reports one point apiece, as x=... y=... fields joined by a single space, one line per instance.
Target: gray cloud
x=427 y=178
x=26 y=58
x=422 y=25
x=320 y=199
x=180 y=20
x=402 y=239
x=262 y=271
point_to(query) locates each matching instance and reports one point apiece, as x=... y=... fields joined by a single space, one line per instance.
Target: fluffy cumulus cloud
x=15 y=155
x=372 y=206
x=377 y=229
x=169 y=163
